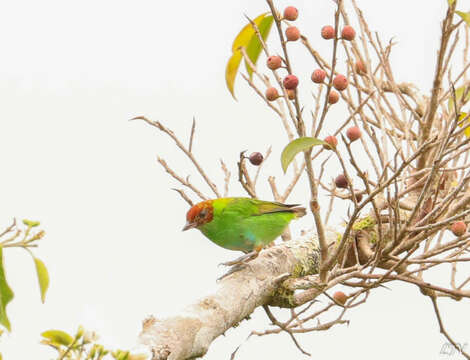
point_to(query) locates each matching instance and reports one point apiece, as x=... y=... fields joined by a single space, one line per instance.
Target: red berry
x=358 y=196
x=459 y=228
x=353 y=133
x=291 y=82
x=327 y=32
x=348 y=33
x=340 y=82
x=291 y=94
x=333 y=97
x=274 y=62
x=256 y=158
x=340 y=297
x=271 y=94
x=318 y=76
x=341 y=181
x=292 y=33
x=332 y=142
x=360 y=68
x=291 y=13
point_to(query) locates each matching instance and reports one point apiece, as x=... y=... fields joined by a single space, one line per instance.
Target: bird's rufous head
x=199 y=214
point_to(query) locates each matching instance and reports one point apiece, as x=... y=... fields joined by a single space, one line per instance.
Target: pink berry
x=292 y=33
x=341 y=181
x=348 y=33
x=327 y=32
x=360 y=68
x=333 y=97
x=459 y=228
x=291 y=82
x=340 y=297
x=291 y=94
x=318 y=76
x=340 y=82
x=353 y=133
x=274 y=62
x=291 y=13
x=332 y=142
x=271 y=94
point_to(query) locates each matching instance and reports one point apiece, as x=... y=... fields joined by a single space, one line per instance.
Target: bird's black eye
x=203 y=213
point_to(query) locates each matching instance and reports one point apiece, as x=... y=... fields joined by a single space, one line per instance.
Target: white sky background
x=73 y=73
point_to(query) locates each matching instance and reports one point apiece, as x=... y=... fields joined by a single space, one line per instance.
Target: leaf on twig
x=231 y=71
x=6 y=294
x=296 y=146
x=57 y=337
x=462 y=116
x=465 y=16
x=253 y=50
x=43 y=277
x=450 y=2
x=244 y=39
x=458 y=96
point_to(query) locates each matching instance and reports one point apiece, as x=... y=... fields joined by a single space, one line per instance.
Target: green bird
x=242 y=224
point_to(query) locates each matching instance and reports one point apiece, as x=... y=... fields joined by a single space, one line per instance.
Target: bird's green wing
x=267 y=207
x=253 y=207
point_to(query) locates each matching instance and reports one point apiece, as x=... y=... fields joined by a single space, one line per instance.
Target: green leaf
x=31 y=223
x=6 y=295
x=243 y=39
x=465 y=16
x=58 y=337
x=296 y=146
x=458 y=95
x=253 y=50
x=43 y=277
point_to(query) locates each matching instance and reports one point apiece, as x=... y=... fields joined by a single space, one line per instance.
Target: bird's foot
x=242 y=259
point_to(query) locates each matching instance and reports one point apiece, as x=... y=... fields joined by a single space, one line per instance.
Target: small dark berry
x=256 y=158
x=341 y=181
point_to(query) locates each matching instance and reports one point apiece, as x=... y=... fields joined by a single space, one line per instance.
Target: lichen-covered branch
x=190 y=334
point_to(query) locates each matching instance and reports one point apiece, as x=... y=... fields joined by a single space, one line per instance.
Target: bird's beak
x=188 y=226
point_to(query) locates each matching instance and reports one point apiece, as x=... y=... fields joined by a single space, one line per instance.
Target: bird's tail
x=299 y=211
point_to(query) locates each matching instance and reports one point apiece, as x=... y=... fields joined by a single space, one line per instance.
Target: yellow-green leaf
x=253 y=50
x=462 y=116
x=245 y=35
x=450 y=2
x=296 y=146
x=465 y=16
x=243 y=39
x=458 y=95
x=6 y=295
x=31 y=223
x=58 y=337
x=231 y=71
x=43 y=277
